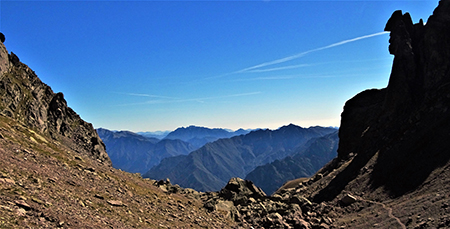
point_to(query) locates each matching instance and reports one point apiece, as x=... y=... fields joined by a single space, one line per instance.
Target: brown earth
x=44 y=184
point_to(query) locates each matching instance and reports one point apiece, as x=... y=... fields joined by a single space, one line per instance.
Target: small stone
x=348 y=199
x=5 y=208
x=116 y=203
x=22 y=204
x=7 y=181
x=99 y=197
x=34 y=199
x=21 y=212
x=302 y=224
x=300 y=200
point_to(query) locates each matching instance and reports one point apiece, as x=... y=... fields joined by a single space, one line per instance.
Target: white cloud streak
x=281 y=68
x=298 y=55
x=176 y=100
x=146 y=95
x=335 y=74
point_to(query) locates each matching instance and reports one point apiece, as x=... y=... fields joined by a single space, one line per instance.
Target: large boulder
x=239 y=190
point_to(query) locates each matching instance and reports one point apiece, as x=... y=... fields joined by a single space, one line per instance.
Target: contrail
x=280 y=68
x=175 y=100
x=145 y=95
x=296 y=56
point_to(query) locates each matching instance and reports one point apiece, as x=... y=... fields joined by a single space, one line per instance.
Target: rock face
x=405 y=124
x=27 y=99
x=4 y=59
x=394 y=141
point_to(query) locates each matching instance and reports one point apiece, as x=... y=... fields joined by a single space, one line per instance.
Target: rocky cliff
x=406 y=124
x=394 y=141
x=25 y=98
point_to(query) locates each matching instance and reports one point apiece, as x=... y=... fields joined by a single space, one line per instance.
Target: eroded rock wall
x=27 y=99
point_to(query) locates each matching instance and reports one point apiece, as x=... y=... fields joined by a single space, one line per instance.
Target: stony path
x=389 y=210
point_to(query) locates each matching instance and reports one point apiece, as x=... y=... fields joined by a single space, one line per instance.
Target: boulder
x=14 y=59
x=116 y=203
x=224 y=207
x=239 y=190
x=348 y=199
x=304 y=203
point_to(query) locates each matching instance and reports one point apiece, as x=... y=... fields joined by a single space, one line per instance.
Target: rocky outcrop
x=250 y=207
x=27 y=99
x=4 y=59
x=393 y=139
x=239 y=190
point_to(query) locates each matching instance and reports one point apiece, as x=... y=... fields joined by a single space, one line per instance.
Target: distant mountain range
x=307 y=161
x=199 y=136
x=138 y=152
x=211 y=166
x=135 y=153
x=155 y=134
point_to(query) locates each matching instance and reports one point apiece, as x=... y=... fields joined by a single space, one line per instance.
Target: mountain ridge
x=199 y=136
x=211 y=166
x=306 y=162
x=135 y=153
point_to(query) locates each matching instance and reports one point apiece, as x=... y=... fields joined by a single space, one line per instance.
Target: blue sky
x=159 y=65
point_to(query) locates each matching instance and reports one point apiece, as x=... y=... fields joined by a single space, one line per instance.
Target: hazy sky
x=159 y=65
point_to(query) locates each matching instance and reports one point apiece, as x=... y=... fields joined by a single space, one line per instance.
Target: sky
x=159 y=65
